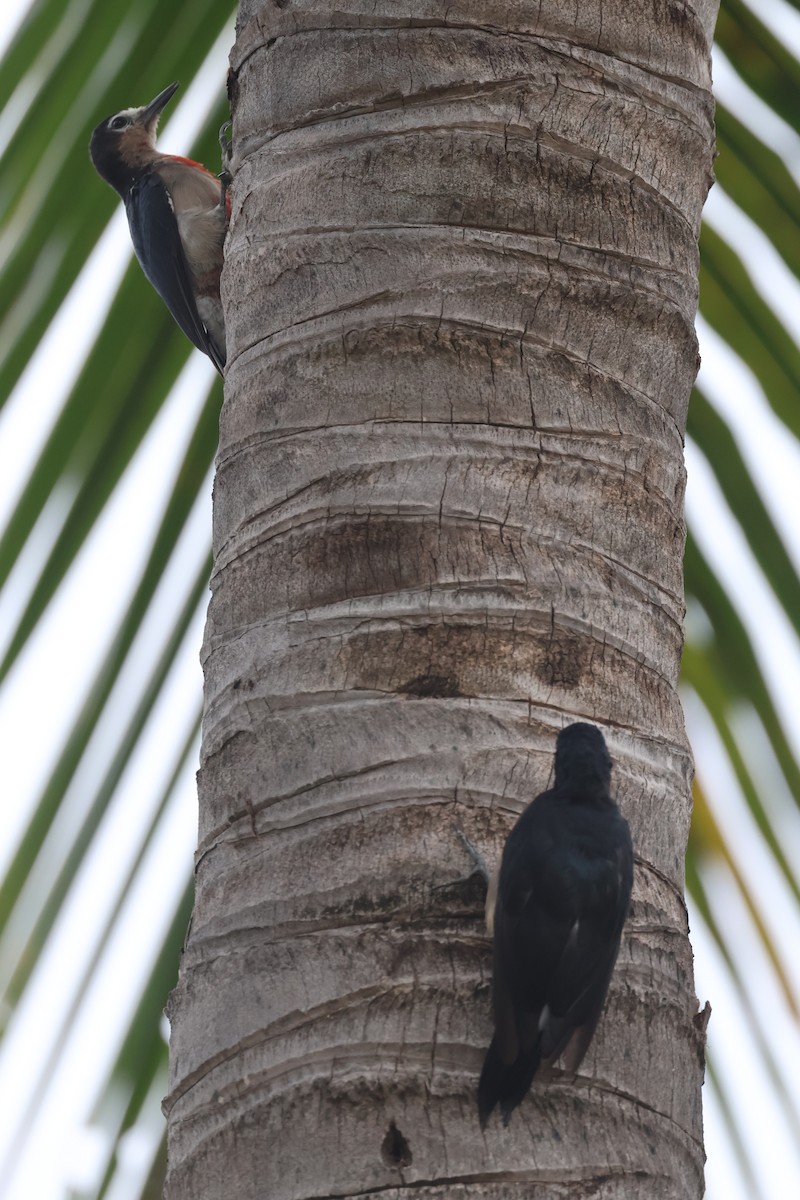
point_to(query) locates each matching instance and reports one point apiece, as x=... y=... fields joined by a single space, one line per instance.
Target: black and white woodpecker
x=556 y=912
x=178 y=214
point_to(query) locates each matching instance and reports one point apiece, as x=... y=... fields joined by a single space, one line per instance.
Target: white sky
x=74 y=1153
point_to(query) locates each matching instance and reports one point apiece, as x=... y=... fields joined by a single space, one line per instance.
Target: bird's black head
x=124 y=144
x=582 y=759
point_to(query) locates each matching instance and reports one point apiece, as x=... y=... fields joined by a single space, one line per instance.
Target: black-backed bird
x=178 y=215
x=560 y=903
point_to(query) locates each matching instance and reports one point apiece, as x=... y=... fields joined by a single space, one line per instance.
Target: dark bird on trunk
x=560 y=903
x=177 y=214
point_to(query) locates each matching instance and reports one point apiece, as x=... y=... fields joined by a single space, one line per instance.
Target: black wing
x=577 y=989
x=157 y=242
x=528 y=941
x=559 y=915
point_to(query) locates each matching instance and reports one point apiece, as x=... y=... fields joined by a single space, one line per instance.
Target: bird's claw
x=226 y=153
x=479 y=866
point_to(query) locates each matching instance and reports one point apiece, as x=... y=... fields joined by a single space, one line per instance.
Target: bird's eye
x=118 y=123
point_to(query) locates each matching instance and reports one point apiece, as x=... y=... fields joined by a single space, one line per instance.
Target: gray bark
x=460 y=286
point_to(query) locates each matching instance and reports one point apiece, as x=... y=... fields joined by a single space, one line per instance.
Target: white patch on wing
x=544 y=1017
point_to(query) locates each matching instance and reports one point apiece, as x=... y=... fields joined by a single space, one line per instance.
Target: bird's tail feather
x=503 y=1083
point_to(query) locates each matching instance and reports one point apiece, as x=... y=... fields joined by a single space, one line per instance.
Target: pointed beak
x=152 y=111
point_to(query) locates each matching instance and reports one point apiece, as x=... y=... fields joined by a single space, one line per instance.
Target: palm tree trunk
x=460 y=289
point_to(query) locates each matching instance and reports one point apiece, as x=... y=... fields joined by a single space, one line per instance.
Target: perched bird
x=178 y=214
x=561 y=899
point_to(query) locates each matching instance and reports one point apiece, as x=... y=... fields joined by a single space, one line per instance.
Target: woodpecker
x=178 y=214
x=556 y=916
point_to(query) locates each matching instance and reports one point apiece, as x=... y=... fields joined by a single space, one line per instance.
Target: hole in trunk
x=395 y=1150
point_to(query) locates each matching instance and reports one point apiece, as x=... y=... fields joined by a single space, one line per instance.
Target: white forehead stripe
x=129 y=112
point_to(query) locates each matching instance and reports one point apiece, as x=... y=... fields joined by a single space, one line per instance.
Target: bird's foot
x=479 y=866
x=480 y=869
x=226 y=155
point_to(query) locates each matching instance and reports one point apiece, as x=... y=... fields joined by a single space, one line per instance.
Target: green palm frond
x=104 y=388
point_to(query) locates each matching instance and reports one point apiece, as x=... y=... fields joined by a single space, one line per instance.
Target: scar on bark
x=431 y=687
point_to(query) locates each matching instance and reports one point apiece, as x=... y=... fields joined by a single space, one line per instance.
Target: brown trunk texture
x=460 y=286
